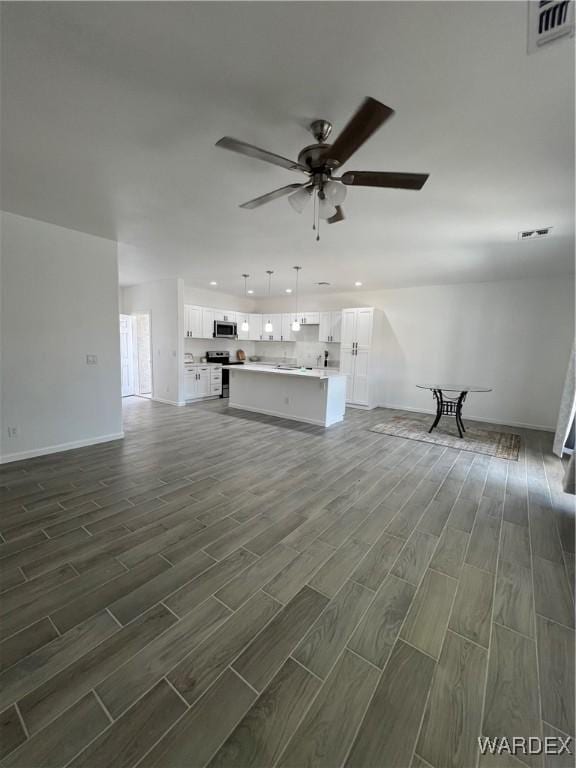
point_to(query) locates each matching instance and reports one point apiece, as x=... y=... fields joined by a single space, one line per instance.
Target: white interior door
x=126 y=355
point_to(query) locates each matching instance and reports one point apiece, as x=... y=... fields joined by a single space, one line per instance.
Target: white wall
x=164 y=300
x=512 y=335
x=59 y=303
x=217 y=299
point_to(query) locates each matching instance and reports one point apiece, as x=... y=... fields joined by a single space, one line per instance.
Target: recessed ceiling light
x=250 y=290
x=357 y=283
x=288 y=290
x=213 y=282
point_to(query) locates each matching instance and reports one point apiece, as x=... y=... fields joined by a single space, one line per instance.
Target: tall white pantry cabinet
x=362 y=356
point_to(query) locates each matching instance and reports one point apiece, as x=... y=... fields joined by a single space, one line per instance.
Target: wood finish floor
x=227 y=589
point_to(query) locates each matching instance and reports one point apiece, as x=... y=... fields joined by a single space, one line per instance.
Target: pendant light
x=268 y=327
x=245 y=327
x=296 y=325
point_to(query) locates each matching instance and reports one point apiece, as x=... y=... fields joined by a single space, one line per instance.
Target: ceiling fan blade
x=338 y=216
x=371 y=115
x=263 y=199
x=384 y=179
x=260 y=154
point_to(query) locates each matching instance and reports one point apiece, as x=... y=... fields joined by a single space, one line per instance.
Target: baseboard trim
x=315 y=422
x=518 y=424
x=168 y=402
x=22 y=455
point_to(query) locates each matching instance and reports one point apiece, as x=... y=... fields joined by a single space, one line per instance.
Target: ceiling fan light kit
x=319 y=161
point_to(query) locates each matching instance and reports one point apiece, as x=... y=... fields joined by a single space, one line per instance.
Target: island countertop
x=314 y=373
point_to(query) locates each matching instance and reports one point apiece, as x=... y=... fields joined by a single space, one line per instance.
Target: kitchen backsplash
x=199 y=347
x=307 y=351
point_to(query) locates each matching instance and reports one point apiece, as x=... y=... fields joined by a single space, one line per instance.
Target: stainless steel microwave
x=223 y=329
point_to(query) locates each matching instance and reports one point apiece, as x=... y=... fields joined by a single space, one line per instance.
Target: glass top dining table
x=455 y=387
x=450 y=404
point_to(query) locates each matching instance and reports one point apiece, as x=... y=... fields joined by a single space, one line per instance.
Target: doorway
x=136 y=355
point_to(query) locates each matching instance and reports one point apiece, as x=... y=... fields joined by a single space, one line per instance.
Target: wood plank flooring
x=228 y=589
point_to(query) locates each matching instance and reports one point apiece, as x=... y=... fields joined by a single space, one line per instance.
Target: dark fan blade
x=365 y=122
x=338 y=216
x=263 y=199
x=384 y=179
x=260 y=154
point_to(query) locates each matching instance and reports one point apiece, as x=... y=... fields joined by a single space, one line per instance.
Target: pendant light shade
x=268 y=328
x=295 y=326
x=299 y=199
x=245 y=326
x=326 y=209
x=335 y=192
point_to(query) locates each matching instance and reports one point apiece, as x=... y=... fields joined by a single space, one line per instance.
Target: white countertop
x=314 y=373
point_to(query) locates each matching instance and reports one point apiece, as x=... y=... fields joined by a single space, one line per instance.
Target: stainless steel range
x=219 y=356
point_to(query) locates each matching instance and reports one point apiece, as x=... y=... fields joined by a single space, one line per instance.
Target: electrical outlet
x=91 y=360
x=12 y=432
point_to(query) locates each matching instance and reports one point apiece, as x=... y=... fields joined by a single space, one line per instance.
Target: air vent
x=534 y=234
x=322 y=282
x=548 y=20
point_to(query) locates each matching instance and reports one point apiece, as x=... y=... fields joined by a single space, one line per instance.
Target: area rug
x=503 y=445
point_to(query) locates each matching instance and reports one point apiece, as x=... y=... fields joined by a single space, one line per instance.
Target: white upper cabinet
x=225 y=315
x=287 y=332
x=241 y=318
x=192 y=321
x=364 y=324
x=308 y=318
x=255 y=332
x=276 y=333
x=330 y=323
x=348 y=328
x=207 y=323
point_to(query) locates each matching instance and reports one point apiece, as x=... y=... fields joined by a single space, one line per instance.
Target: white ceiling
x=110 y=113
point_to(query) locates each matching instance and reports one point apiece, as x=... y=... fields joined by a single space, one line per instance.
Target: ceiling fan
x=321 y=160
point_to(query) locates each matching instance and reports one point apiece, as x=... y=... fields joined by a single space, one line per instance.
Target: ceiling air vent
x=548 y=20
x=322 y=282
x=534 y=234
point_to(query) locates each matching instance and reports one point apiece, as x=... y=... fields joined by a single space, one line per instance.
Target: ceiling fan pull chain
x=314 y=217
x=318 y=233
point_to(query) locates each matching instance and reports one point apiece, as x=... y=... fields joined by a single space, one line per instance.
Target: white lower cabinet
x=202 y=381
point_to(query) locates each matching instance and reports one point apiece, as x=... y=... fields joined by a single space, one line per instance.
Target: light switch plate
x=91 y=360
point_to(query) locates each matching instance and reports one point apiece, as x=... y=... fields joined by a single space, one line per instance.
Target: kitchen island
x=314 y=396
